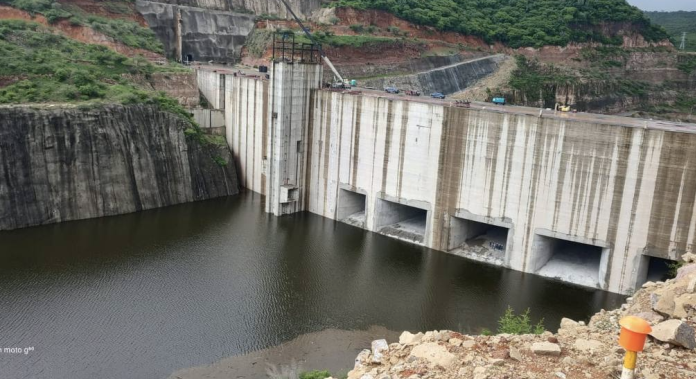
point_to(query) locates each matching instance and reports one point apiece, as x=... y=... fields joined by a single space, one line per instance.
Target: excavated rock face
x=447 y=80
x=70 y=163
x=206 y=35
x=303 y=8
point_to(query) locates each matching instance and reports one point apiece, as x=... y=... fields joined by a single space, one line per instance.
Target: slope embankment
x=68 y=163
x=447 y=80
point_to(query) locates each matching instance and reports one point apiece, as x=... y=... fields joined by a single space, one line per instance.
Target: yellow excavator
x=562 y=108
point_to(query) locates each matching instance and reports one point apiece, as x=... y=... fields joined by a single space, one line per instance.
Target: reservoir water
x=142 y=295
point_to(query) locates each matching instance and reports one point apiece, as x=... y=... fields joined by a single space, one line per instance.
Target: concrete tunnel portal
x=477 y=240
x=401 y=221
x=654 y=269
x=570 y=261
x=351 y=208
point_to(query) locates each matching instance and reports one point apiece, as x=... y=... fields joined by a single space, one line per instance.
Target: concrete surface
x=626 y=185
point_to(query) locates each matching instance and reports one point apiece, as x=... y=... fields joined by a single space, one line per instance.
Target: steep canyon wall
x=70 y=164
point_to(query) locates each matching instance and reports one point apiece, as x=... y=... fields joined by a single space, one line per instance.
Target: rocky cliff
x=302 y=8
x=205 y=34
x=60 y=164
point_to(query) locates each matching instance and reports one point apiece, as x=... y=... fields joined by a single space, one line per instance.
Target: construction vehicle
x=338 y=82
x=499 y=100
x=562 y=108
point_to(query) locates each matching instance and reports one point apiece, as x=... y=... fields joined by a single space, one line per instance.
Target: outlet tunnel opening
x=654 y=269
x=570 y=261
x=478 y=240
x=401 y=221
x=351 y=208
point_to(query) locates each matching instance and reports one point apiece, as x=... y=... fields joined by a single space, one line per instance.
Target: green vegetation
x=510 y=323
x=128 y=32
x=674 y=267
x=687 y=63
x=327 y=38
x=519 y=23
x=535 y=81
x=258 y=42
x=676 y=23
x=52 y=68
x=315 y=374
x=360 y=28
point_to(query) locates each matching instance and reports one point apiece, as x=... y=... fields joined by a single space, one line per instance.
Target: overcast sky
x=665 y=5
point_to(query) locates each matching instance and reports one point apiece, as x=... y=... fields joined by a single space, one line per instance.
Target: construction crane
x=337 y=77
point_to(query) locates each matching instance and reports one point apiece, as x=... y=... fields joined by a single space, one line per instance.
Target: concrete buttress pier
x=594 y=200
x=267 y=122
x=290 y=93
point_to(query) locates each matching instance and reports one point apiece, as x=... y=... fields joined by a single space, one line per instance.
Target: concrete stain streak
x=356 y=143
x=402 y=146
x=387 y=144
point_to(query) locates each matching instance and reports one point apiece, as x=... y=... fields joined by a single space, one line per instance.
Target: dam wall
x=619 y=193
x=212 y=86
x=593 y=200
x=447 y=80
x=246 y=116
x=64 y=164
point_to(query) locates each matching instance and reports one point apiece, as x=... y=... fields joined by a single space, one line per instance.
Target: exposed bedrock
x=206 y=35
x=302 y=8
x=447 y=80
x=70 y=163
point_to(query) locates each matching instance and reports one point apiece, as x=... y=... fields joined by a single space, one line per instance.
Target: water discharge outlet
x=401 y=221
x=351 y=208
x=478 y=240
x=570 y=261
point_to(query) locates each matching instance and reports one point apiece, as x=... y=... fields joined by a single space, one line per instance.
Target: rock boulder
x=675 y=332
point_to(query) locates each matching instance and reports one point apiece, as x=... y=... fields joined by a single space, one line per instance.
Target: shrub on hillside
x=510 y=323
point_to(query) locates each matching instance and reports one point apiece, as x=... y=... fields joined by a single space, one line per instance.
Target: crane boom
x=314 y=41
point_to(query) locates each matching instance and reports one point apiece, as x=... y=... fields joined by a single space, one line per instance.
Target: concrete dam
x=589 y=199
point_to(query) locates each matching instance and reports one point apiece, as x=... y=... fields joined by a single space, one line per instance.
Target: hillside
x=522 y=23
x=115 y=19
x=38 y=65
x=675 y=23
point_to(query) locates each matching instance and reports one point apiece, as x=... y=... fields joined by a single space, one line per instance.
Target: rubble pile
x=576 y=351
